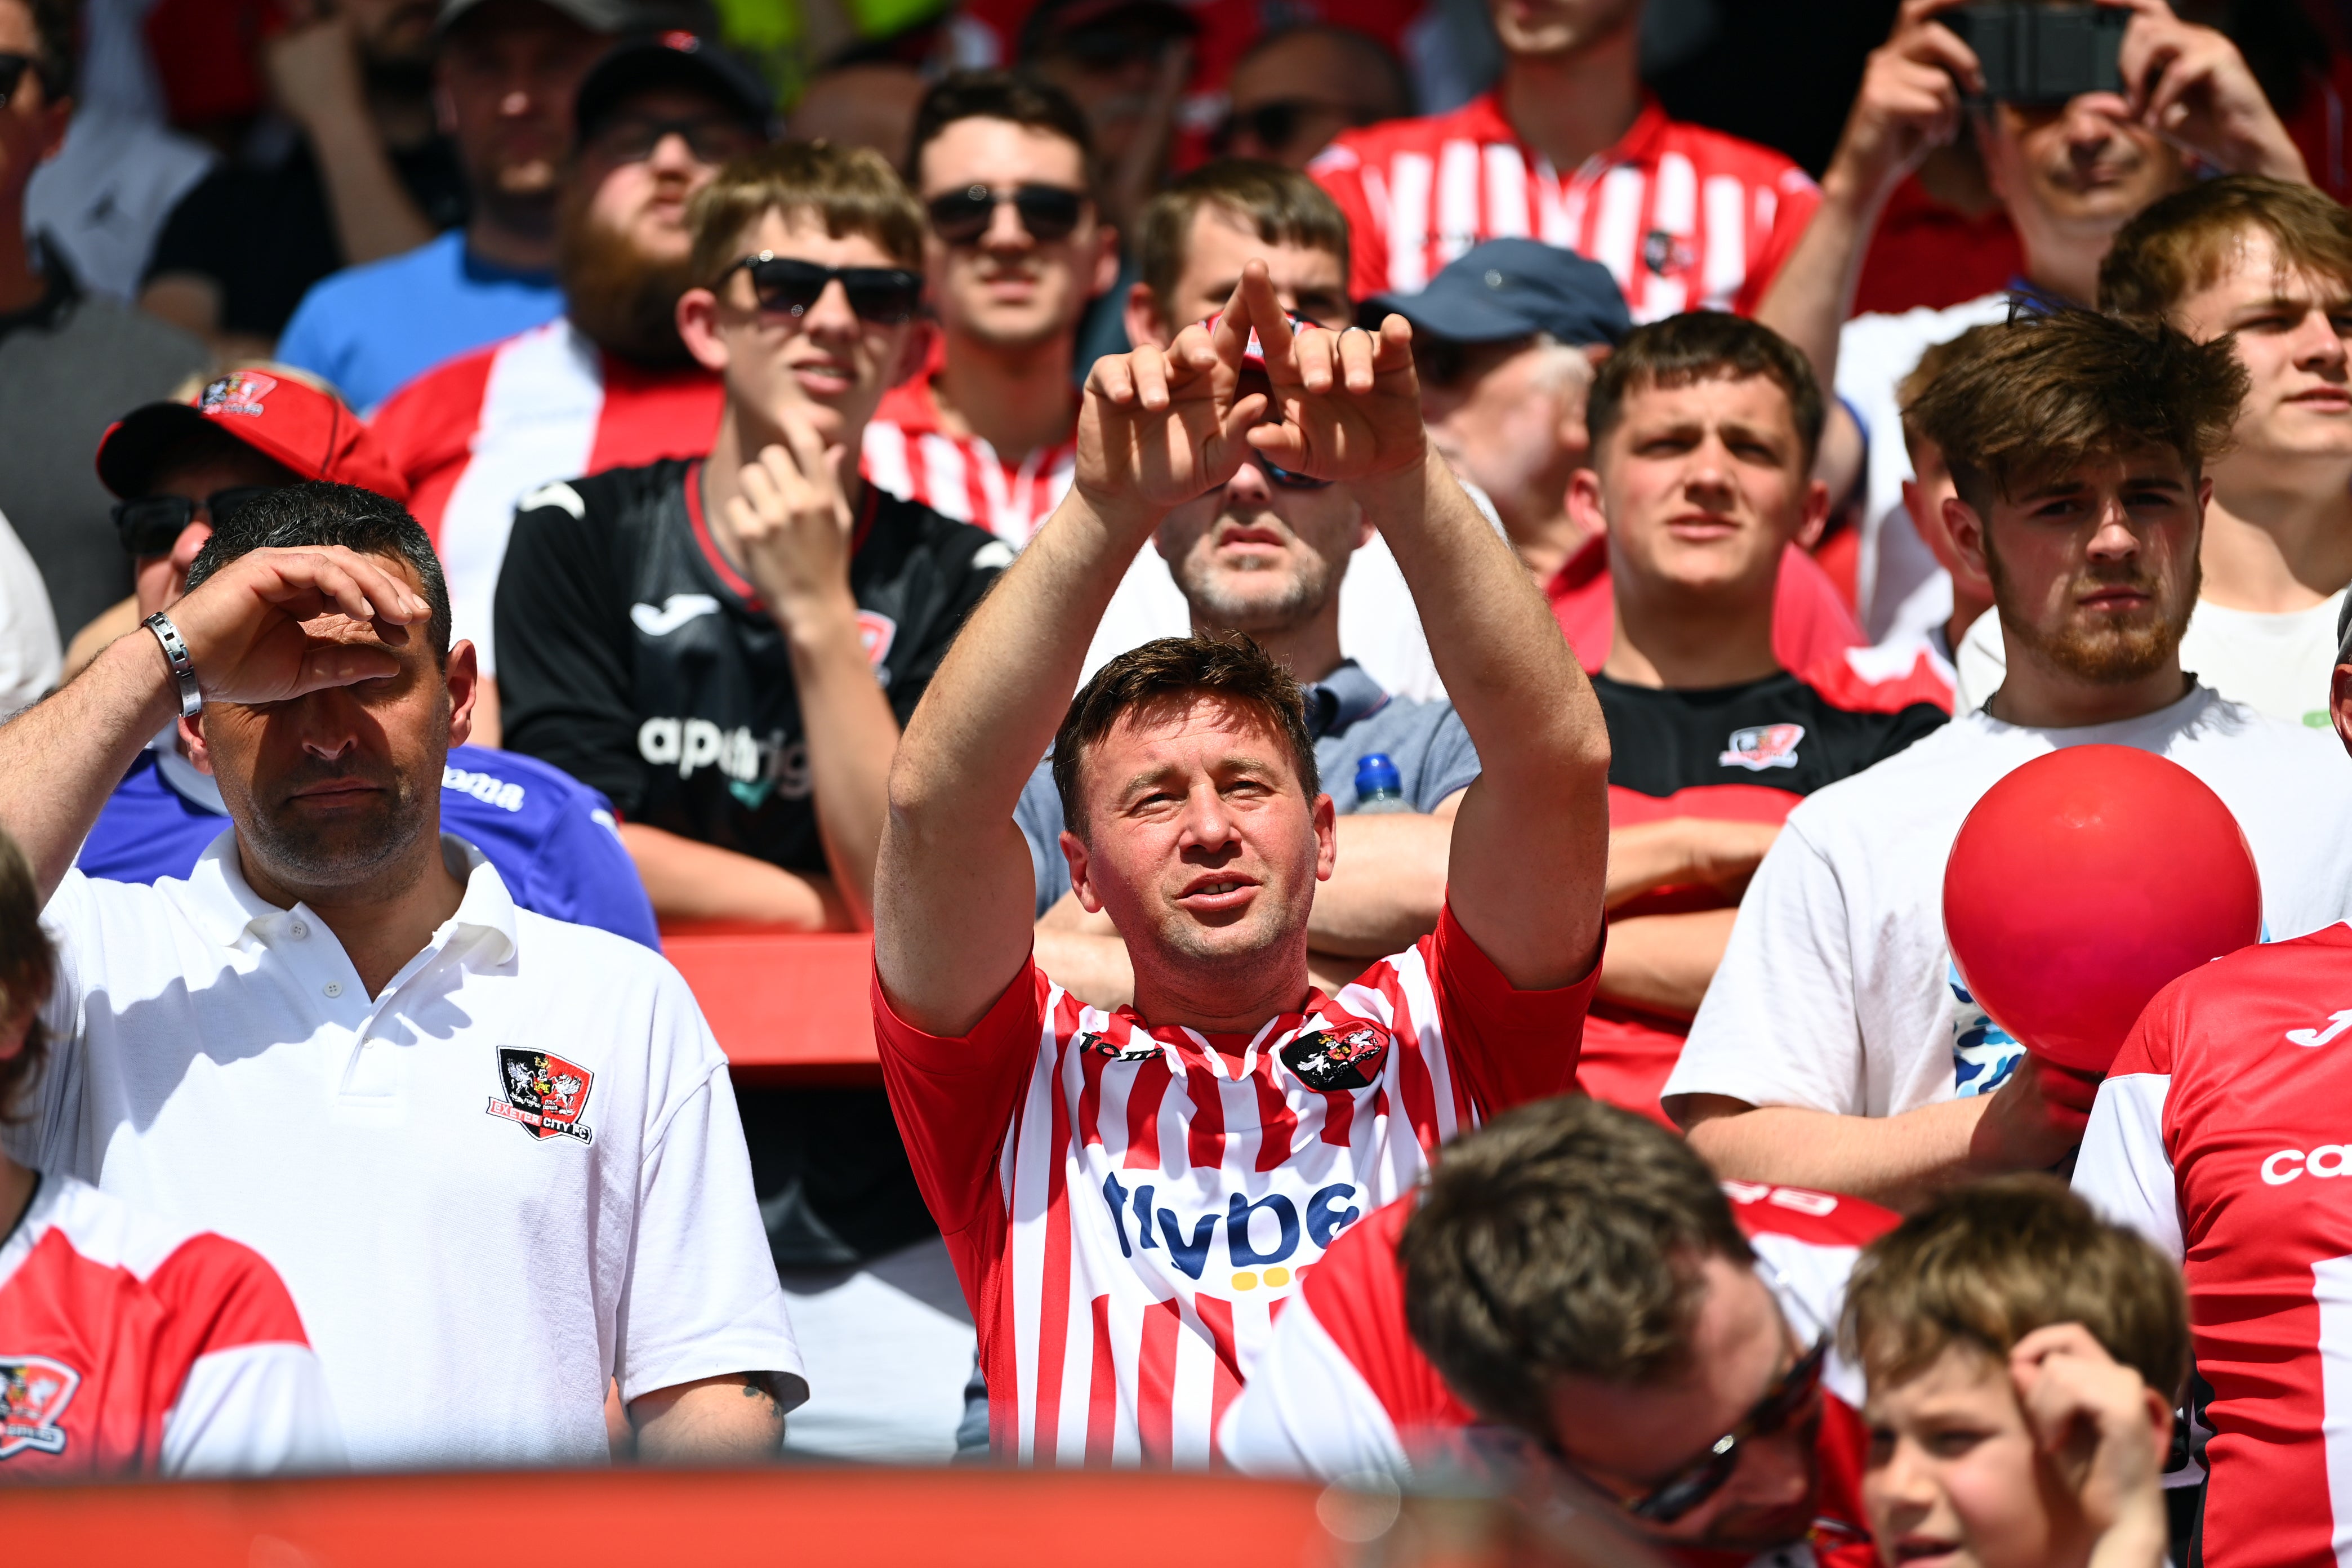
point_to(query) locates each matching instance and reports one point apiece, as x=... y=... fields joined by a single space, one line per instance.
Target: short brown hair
x=1704 y=345
x=2183 y=243
x=28 y=971
x=853 y=189
x=1935 y=362
x=997 y=95
x=1284 y=205
x=1164 y=674
x=1986 y=1265
x=2051 y=389
x=1561 y=1240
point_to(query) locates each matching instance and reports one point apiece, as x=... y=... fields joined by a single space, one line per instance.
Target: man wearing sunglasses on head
x=183 y=469
x=727 y=647
x=1574 y=1293
x=608 y=384
x=1014 y=251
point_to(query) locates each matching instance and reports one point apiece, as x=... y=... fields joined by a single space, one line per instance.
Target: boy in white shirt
x=1834 y=1049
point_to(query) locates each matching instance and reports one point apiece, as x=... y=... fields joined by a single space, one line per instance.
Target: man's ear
x=1081 y=862
x=1584 y=503
x=1816 y=515
x=1968 y=535
x=192 y=736
x=697 y=328
x=1146 y=323
x=914 y=353
x=1106 y=262
x=54 y=120
x=1327 y=838
x=2339 y=704
x=463 y=680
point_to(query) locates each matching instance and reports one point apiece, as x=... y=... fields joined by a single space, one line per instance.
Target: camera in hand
x=2042 y=54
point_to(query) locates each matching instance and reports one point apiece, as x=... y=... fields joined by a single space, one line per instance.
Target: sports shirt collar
x=1643 y=139
x=1341 y=698
x=228 y=909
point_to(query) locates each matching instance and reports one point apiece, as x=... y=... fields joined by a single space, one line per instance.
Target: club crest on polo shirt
x=1350 y=1058
x=1763 y=746
x=239 y=392
x=34 y=1393
x=545 y=1094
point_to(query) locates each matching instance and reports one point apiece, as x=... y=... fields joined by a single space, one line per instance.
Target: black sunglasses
x=152 y=525
x=711 y=139
x=1048 y=212
x=1793 y=1393
x=12 y=68
x=885 y=296
x=1277 y=123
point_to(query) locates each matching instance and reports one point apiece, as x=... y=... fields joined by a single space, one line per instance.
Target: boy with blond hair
x=2022 y=1357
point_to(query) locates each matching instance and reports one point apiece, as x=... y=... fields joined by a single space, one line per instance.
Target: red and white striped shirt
x=129 y=1347
x=1342 y=1390
x=909 y=453
x=474 y=436
x=1128 y=1207
x=1687 y=218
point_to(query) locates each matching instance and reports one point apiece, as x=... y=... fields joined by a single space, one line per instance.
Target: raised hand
x=1909 y=102
x=2105 y=1433
x=793 y=522
x=1157 y=427
x=276 y=624
x=1346 y=406
x=2190 y=85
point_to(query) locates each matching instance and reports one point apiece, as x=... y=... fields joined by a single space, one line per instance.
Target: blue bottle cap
x=1377 y=774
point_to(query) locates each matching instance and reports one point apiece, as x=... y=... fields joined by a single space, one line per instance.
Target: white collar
x=2178 y=714
x=224 y=903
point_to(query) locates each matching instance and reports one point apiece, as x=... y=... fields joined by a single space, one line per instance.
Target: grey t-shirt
x=70 y=367
x=1349 y=717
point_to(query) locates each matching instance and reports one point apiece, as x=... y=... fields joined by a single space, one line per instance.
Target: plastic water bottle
x=1379 y=787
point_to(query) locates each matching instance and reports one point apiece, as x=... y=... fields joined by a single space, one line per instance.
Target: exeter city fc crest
x=1764 y=746
x=545 y=1094
x=34 y=1394
x=1327 y=1060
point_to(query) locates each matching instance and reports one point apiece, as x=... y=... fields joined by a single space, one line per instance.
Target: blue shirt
x=371 y=328
x=549 y=836
x=1349 y=717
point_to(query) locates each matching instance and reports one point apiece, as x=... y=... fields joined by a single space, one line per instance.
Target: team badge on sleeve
x=34 y=1394
x=1350 y=1059
x=543 y=1093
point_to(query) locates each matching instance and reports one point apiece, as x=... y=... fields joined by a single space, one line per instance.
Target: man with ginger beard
x=608 y=384
x=1835 y=1047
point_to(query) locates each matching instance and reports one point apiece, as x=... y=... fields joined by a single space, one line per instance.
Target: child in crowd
x=2022 y=1357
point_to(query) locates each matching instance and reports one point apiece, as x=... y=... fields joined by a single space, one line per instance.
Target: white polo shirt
x=517 y=1173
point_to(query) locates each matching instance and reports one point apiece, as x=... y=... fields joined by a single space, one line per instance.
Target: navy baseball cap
x=1513 y=289
x=674 y=58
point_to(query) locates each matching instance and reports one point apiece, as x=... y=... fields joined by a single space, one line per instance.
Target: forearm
x=1091 y=968
x=374 y=216
x=851 y=736
x=713 y=1421
x=1897 y=1160
x=687 y=879
x=1813 y=292
x=1386 y=889
x=1647 y=855
x=1664 y=963
x=62 y=757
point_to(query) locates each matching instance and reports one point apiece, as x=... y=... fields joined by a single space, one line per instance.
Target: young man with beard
x=355 y=170
x=609 y=384
x=727 y=647
x=1569 y=149
x=1835 y=1047
x=1014 y=252
x=1574 y=1288
x=2270 y=265
x=1128 y=1196
x=504 y=78
x=492 y=1156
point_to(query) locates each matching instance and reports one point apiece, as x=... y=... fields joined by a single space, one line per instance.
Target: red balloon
x=2082 y=884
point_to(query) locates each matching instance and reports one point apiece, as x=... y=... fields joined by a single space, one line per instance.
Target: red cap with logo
x=283 y=419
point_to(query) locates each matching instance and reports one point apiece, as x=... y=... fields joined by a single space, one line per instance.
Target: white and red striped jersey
x=2219 y=1133
x=474 y=436
x=1129 y=1206
x=1685 y=218
x=1342 y=1390
x=909 y=453
x=130 y=1347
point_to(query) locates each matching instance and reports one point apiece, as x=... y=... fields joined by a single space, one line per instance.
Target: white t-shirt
x=1837 y=992
x=1900 y=589
x=2275 y=664
x=517 y=1174
x=30 y=655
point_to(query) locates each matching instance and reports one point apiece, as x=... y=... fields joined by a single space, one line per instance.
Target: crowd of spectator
x=1388 y=635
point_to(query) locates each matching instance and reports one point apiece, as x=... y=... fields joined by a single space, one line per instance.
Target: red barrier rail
x=786 y=1008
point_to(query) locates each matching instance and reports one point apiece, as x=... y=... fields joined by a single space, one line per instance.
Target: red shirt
x=1924 y=253
x=1342 y=1389
x=132 y=1348
x=1811 y=625
x=1685 y=217
x=2219 y=1134
x=909 y=453
x=1127 y=1208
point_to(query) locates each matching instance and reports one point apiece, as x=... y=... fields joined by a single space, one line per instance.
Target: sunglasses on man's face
x=1048 y=212
x=13 y=67
x=150 y=526
x=711 y=139
x=1793 y=1396
x=786 y=286
x=1276 y=124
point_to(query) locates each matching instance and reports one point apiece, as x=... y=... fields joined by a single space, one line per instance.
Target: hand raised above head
x=1159 y=427
x=1345 y=406
x=244 y=625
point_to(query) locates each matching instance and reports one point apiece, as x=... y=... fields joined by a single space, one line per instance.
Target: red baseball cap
x=283 y=419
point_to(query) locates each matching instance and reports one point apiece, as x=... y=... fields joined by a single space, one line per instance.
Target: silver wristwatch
x=183 y=669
